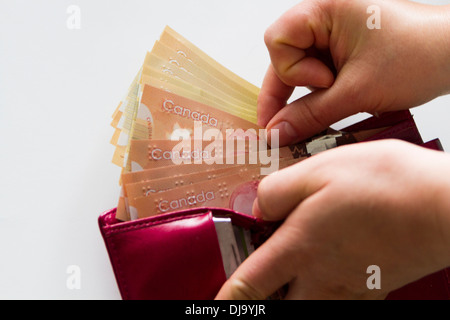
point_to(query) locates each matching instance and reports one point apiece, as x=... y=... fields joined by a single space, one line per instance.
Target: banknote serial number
x=231 y=310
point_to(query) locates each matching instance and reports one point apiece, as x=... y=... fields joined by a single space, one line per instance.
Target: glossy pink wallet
x=177 y=256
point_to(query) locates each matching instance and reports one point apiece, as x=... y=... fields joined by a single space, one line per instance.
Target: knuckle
x=269 y=37
x=288 y=78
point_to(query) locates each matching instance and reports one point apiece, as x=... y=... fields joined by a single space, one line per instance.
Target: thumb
x=311 y=114
x=263 y=273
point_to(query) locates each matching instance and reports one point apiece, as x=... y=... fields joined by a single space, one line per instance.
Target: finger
x=256 y=211
x=306 y=71
x=264 y=272
x=280 y=193
x=273 y=96
x=291 y=38
x=311 y=114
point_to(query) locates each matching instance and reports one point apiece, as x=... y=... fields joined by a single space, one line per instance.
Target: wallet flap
x=406 y=131
x=171 y=256
x=386 y=119
x=435 y=286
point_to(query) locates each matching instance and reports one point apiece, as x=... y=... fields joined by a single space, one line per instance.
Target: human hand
x=388 y=207
x=327 y=45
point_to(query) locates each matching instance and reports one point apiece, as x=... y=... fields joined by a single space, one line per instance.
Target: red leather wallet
x=177 y=255
x=172 y=256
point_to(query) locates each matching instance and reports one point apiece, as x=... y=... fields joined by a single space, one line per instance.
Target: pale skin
x=382 y=203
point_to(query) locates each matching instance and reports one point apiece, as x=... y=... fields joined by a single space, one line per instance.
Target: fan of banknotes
x=186 y=136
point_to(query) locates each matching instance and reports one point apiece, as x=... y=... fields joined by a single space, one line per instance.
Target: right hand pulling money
x=381 y=203
x=327 y=45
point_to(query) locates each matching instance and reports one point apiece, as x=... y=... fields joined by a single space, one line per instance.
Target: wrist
x=440 y=46
x=427 y=28
x=447 y=45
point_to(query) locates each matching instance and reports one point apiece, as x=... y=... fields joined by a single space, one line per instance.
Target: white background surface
x=58 y=89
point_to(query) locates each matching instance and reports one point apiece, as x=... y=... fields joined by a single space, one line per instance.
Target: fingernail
x=286 y=133
x=256 y=211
